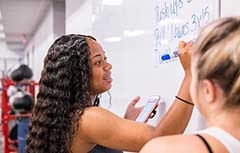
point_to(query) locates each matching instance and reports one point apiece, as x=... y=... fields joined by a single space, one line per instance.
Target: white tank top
x=231 y=143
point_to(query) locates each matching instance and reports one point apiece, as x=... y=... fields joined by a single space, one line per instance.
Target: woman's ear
x=209 y=91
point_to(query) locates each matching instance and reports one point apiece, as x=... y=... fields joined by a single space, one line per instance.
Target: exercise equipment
x=21 y=73
x=22 y=118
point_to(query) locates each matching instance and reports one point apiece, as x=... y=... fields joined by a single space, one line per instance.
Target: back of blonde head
x=218 y=52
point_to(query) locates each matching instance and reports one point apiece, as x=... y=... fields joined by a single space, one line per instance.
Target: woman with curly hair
x=66 y=118
x=215 y=90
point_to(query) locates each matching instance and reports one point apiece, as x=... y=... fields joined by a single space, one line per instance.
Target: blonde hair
x=218 y=52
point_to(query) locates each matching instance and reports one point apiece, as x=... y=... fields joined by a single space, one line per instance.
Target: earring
x=110 y=99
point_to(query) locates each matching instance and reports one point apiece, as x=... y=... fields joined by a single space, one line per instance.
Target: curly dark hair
x=64 y=93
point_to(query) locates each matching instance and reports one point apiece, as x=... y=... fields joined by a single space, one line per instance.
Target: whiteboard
x=137 y=35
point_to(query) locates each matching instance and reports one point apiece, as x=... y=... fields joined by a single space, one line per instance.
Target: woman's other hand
x=132 y=112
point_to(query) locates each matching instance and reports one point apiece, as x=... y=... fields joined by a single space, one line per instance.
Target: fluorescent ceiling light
x=112 y=2
x=113 y=39
x=0 y=15
x=1 y=27
x=133 y=33
x=2 y=35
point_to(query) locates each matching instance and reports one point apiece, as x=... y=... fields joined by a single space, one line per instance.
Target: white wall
x=5 y=52
x=51 y=27
x=59 y=15
x=8 y=59
x=79 y=16
x=38 y=46
x=230 y=8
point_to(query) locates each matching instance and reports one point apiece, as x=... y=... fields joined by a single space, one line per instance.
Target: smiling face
x=101 y=74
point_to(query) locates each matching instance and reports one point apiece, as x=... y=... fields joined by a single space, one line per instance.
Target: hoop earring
x=110 y=99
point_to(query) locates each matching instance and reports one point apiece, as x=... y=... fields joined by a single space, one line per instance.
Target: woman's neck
x=227 y=120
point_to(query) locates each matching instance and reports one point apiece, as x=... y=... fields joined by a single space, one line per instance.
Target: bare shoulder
x=100 y=126
x=96 y=114
x=89 y=125
x=173 y=144
x=96 y=121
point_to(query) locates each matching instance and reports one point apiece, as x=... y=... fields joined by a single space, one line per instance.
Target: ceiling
x=20 y=19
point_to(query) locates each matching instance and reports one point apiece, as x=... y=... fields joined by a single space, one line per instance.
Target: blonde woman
x=215 y=90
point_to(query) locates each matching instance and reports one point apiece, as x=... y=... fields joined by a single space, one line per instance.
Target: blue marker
x=169 y=56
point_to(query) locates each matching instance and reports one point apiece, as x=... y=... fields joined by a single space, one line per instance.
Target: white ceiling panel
x=20 y=19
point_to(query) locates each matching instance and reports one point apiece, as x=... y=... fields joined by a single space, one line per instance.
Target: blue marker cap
x=165 y=57
x=169 y=56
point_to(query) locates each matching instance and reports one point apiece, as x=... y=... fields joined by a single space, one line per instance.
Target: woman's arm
x=178 y=116
x=100 y=126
